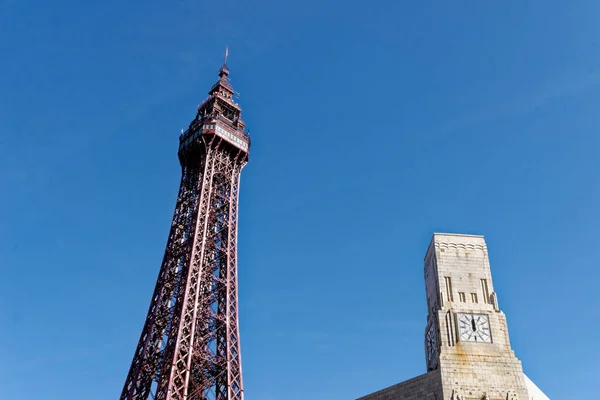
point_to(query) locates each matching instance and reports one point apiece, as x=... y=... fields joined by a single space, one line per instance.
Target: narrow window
x=461 y=297
x=486 y=293
x=448 y=288
x=474 y=297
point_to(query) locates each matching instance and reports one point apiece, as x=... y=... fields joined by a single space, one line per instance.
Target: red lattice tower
x=189 y=348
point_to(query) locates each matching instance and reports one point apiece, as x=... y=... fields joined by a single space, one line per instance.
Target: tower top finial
x=224 y=71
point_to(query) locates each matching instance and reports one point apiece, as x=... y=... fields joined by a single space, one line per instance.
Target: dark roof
x=222 y=82
x=223 y=73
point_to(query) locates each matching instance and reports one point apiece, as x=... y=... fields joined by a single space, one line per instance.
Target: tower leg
x=147 y=360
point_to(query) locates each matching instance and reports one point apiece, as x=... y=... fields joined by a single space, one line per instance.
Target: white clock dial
x=474 y=328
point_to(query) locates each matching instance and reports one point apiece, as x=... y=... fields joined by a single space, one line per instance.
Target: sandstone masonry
x=468 y=352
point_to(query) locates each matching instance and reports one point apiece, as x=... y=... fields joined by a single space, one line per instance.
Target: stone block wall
x=423 y=387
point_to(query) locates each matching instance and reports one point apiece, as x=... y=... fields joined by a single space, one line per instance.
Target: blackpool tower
x=189 y=348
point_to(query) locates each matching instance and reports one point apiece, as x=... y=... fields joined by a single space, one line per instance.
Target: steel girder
x=189 y=348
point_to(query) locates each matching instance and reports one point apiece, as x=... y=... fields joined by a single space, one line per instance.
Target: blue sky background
x=373 y=125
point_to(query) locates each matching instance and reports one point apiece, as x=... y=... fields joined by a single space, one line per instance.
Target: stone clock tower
x=467 y=348
x=466 y=337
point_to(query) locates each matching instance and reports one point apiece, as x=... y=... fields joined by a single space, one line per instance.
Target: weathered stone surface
x=427 y=386
x=458 y=279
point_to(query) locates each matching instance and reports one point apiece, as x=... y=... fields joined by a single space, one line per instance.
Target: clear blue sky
x=374 y=124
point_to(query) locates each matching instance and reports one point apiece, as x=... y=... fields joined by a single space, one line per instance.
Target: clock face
x=431 y=343
x=474 y=328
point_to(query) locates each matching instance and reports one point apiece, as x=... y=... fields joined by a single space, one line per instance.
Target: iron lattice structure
x=189 y=348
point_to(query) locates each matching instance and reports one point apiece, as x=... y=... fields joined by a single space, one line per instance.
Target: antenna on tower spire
x=226 y=54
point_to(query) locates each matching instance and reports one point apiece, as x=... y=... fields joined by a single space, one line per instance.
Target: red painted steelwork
x=189 y=348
